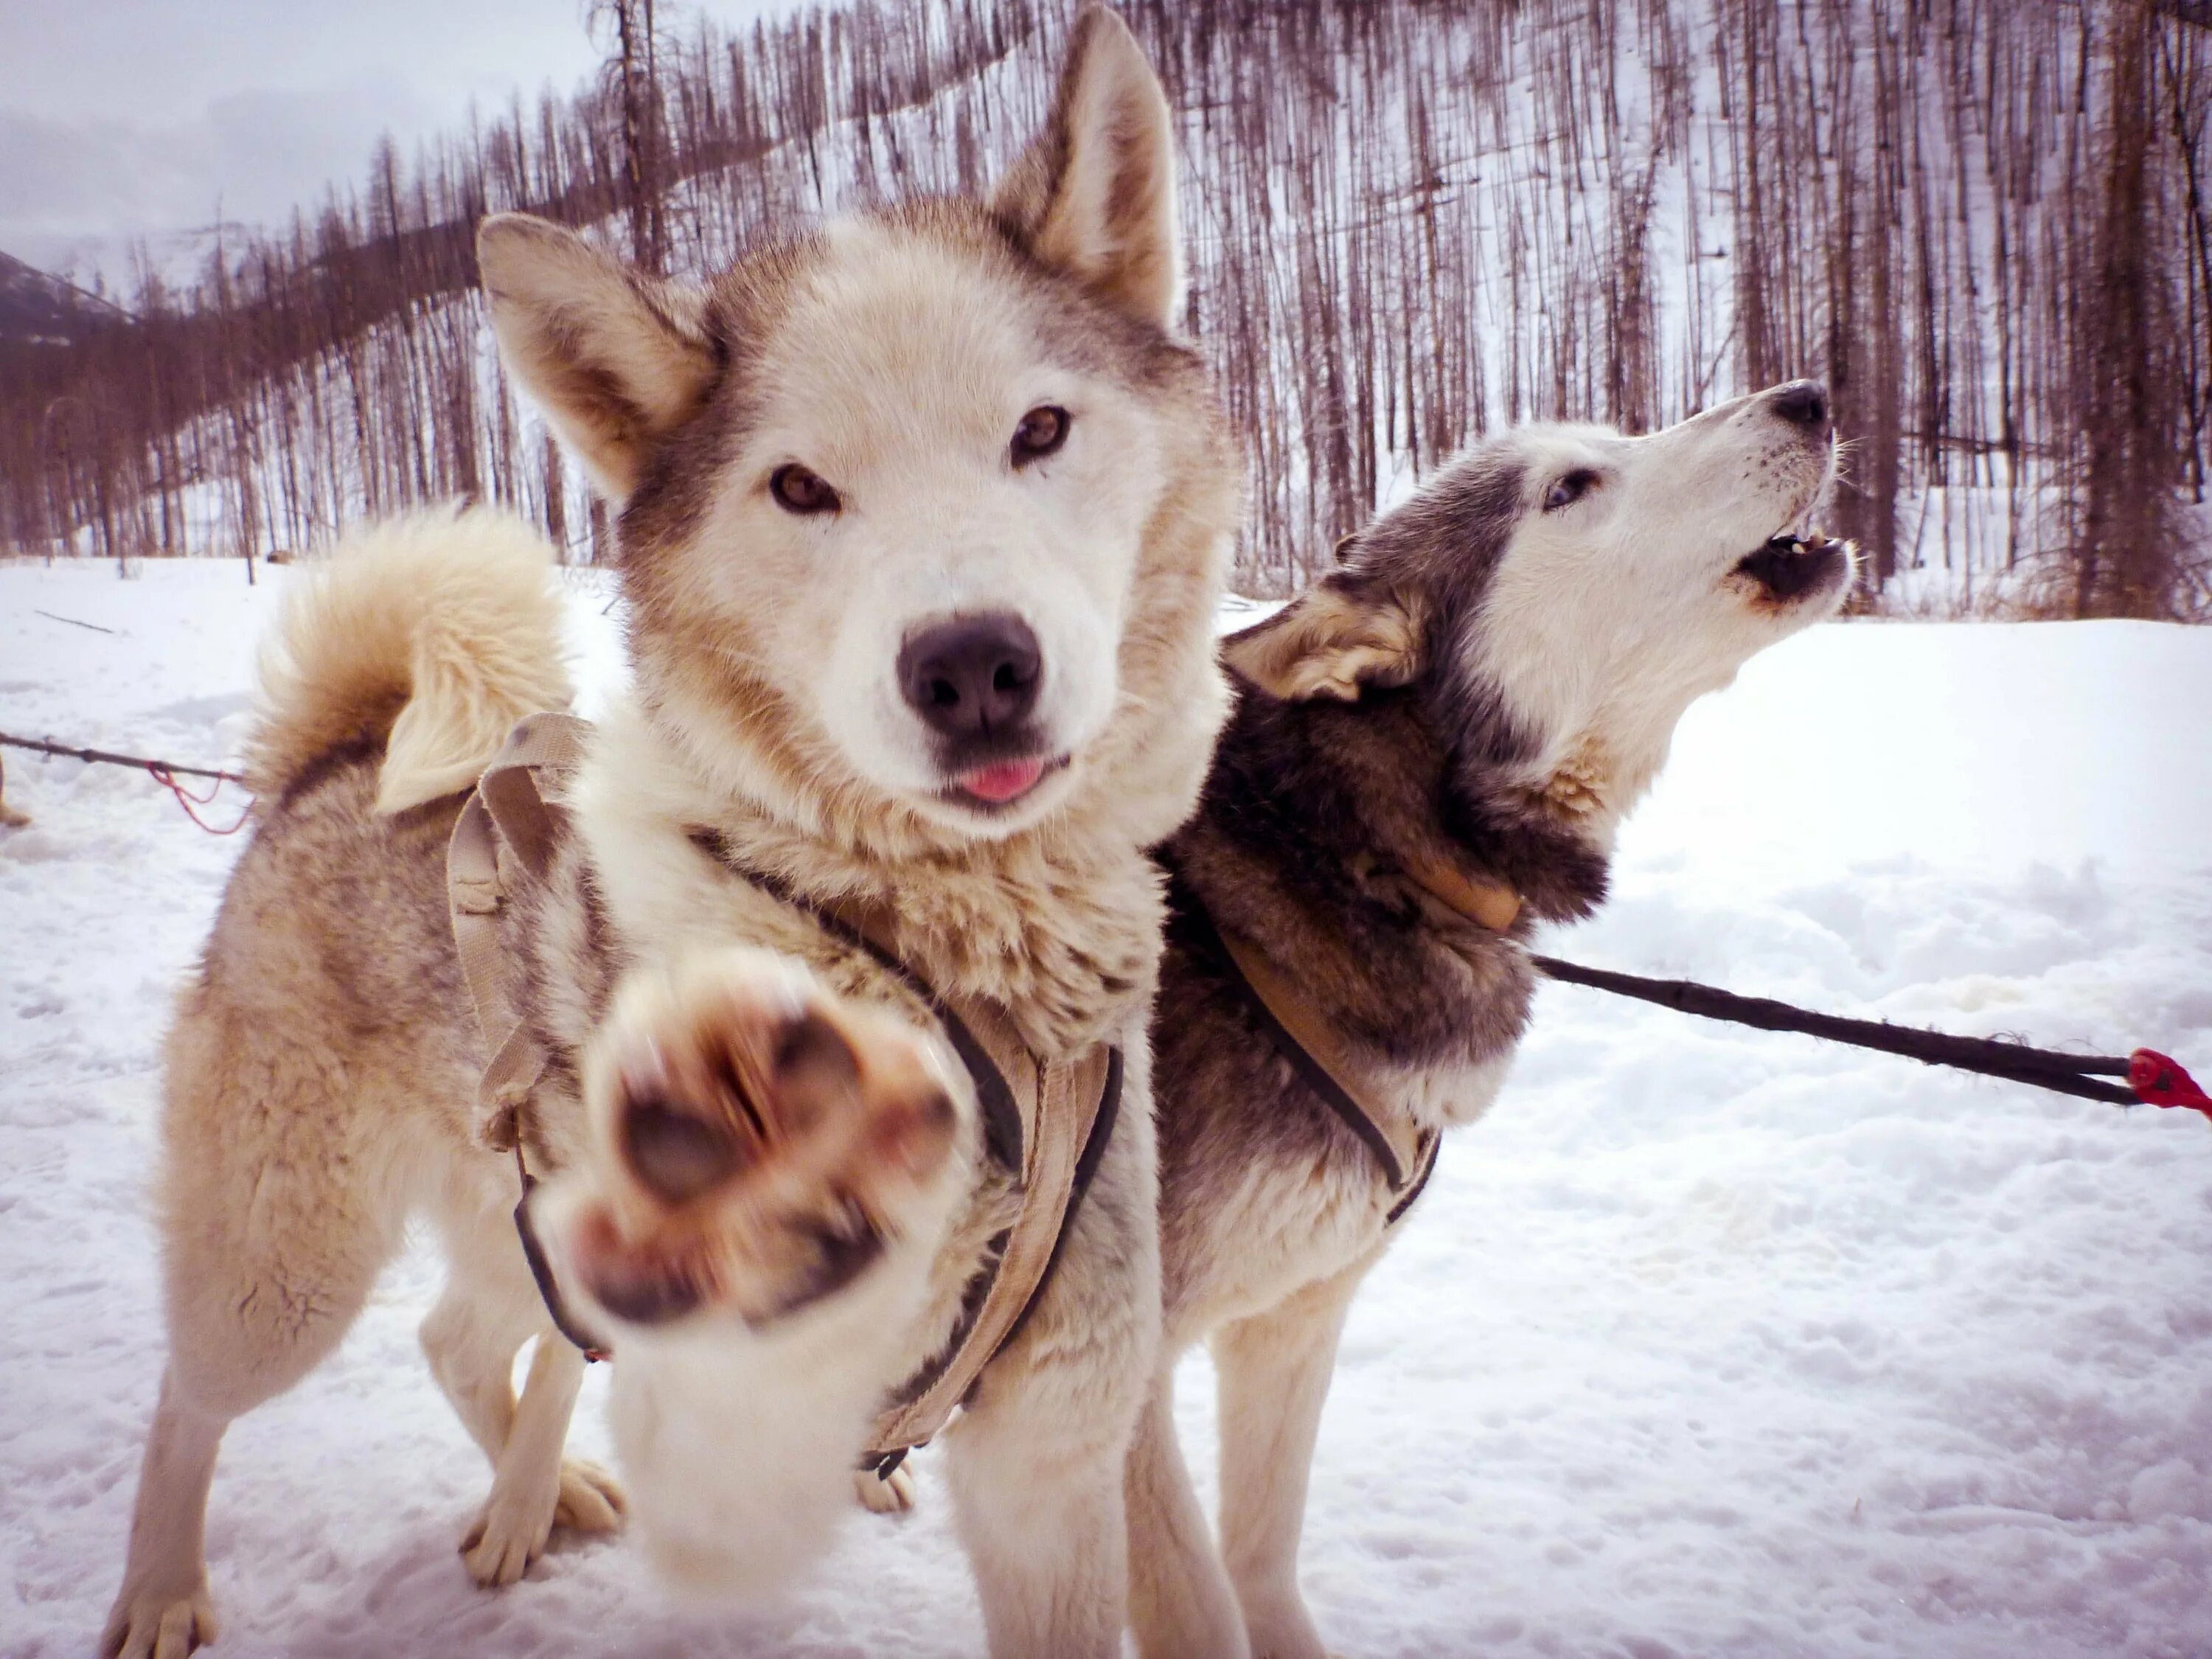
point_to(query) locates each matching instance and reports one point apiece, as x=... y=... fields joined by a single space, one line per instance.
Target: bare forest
x=1987 y=224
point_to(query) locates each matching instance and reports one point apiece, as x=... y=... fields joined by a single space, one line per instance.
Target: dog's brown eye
x=1041 y=431
x=1570 y=490
x=797 y=490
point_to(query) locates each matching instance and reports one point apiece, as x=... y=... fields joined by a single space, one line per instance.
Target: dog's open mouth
x=1002 y=783
x=1795 y=565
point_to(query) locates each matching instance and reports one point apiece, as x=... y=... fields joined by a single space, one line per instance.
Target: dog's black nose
x=972 y=675
x=1803 y=402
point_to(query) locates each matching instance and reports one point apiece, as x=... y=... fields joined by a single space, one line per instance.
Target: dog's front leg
x=1036 y=1463
x=1274 y=1370
x=1037 y=1490
x=532 y=1489
x=1180 y=1602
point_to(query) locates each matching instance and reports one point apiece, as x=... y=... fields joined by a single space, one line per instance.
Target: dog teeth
x=1796 y=546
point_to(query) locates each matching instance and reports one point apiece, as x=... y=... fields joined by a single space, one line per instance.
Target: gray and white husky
x=1433 y=749
x=922 y=522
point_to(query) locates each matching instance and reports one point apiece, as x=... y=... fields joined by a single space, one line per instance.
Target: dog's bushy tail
x=432 y=634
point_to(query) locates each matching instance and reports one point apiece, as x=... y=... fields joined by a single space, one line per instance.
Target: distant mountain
x=36 y=309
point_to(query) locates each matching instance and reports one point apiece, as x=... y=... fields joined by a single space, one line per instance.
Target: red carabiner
x=2160 y=1081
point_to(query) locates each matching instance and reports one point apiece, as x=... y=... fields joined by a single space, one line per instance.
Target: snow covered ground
x=1704 y=1343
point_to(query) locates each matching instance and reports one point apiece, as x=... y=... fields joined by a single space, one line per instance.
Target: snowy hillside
x=1703 y=1344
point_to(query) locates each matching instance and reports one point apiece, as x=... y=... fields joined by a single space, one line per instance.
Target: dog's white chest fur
x=1451 y=1097
x=738 y=1446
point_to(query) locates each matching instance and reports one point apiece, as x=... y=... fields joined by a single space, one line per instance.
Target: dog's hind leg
x=489 y=1309
x=163 y=1610
x=268 y=1336
x=273 y=1238
x=1180 y=1602
x=1274 y=1371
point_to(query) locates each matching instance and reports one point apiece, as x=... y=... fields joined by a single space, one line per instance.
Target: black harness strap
x=549 y=1288
x=1430 y=1141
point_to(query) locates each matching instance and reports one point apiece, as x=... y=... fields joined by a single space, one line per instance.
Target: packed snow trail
x=1704 y=1343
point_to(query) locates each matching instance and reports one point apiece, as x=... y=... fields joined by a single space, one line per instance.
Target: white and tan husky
x=922 y=521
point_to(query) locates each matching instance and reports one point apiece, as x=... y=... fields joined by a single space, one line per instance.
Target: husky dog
x=1433 y=749
x=922 y=522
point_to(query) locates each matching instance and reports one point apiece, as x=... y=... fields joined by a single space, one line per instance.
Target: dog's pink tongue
x=1003 y=782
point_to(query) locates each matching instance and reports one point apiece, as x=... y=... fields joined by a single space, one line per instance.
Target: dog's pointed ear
x=615 y=358
x=1349 y=631
x=1094 y=195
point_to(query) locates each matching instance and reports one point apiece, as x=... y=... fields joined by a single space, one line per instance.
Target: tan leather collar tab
x=1487 y=904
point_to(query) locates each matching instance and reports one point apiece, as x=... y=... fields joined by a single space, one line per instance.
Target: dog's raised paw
x=157 y=1625
x=760 y=1142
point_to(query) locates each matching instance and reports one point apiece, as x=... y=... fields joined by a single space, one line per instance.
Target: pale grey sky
x=122 y=118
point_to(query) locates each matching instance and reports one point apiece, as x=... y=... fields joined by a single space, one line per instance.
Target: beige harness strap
x=506 y=831
x=1402 y=1151
x=1305 y=1039
x=1067 y=1098
x=1058 y=1104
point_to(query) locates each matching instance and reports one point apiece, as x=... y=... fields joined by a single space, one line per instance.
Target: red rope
x=185 y=798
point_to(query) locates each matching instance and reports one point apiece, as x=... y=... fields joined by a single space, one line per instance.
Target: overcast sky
x=120 y=119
